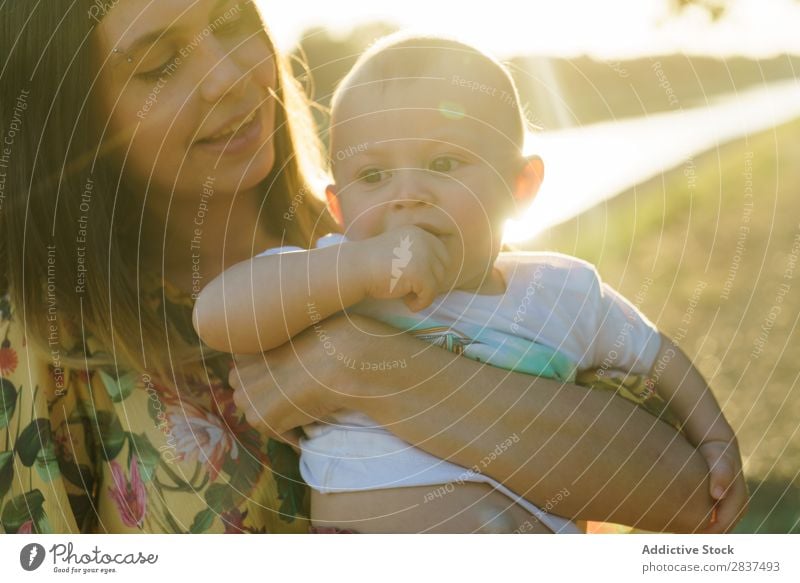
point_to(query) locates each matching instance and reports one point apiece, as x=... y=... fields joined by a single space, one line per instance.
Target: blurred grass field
x=709 y=251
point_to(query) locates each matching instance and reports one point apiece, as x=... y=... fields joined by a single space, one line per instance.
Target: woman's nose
x=223 y=75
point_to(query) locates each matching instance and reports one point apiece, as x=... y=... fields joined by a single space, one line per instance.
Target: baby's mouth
x=433 y=230
x=440 y=234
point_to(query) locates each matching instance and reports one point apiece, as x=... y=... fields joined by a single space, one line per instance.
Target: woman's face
x=185 y=88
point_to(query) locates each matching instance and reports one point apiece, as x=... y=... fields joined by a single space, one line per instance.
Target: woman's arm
x=617 y=462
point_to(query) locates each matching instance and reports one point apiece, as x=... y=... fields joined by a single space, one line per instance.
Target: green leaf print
x=8 y=402
x=120 y=388
x=202 y=521
x=6 y=472
x=22 y=508
x=79 y=475
x=221 y=497
x=32 y=440
x=47 y=463
x=244 y=471
x=286 y=471
x=111 y=434
x=147 y=456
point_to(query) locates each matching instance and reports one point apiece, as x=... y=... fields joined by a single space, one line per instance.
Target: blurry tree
x=716 y=8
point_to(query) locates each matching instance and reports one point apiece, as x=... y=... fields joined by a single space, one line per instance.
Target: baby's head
x=429 y=132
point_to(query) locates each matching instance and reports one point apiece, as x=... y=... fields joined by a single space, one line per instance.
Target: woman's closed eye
x=166 y=68
x=241 y=18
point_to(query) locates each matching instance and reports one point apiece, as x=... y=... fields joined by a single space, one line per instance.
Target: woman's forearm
x=584 y=454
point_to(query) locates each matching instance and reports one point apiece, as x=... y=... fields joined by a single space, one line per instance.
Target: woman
x=147 y=147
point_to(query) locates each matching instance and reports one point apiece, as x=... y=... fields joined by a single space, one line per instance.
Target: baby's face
x=425 y=153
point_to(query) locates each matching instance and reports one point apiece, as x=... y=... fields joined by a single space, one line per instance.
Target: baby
x=426 y=155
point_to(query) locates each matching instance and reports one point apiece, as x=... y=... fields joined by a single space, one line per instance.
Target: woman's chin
x=243 y=177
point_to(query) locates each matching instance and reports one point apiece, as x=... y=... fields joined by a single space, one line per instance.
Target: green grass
x=676 y=236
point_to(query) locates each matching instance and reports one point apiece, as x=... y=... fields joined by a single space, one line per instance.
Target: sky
x=606 y=29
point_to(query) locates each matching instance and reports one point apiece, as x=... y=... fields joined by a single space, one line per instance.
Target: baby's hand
x=721 y=466
x=726 y=483
x=408 y=263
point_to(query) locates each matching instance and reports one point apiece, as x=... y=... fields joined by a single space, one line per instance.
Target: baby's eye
x=444 y=164
x=373 y=175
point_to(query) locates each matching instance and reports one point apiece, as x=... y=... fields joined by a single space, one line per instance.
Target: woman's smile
x=236 y=137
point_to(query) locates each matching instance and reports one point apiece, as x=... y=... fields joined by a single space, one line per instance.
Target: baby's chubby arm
x=683 y=387
x=262 y=303
x=690 y=398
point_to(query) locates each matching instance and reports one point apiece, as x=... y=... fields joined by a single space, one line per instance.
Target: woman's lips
x=242 y=140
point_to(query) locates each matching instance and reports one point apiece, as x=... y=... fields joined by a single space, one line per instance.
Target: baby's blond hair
x=404 y=57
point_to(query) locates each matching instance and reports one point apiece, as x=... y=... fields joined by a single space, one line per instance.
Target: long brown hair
x=65 y=275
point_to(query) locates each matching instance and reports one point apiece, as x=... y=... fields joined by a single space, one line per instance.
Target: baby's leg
x=456 y=508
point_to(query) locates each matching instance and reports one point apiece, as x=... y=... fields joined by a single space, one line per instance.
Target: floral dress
x=100 y=451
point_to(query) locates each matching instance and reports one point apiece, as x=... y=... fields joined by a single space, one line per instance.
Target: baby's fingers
x=731 y=509
x=722 y=467
x=424 y=292
x=722 y=475
x=420 y=301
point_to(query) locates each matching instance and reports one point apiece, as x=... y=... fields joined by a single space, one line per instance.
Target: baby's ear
x=528 y=182
x=333 y=204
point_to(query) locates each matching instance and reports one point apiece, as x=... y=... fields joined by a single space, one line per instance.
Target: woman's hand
x=297 y=383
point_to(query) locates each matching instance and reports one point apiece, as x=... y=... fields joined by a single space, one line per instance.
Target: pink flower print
x=201 y=437
x=8 y=359
x=129 y=496
x=234 y=521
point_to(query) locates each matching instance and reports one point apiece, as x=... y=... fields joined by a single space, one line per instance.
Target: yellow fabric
x=90 y=451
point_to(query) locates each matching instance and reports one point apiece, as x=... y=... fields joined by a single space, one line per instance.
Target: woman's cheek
x=160 y=141
x=259 y=59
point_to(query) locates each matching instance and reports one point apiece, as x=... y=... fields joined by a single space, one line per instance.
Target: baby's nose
x=412 y=190
x=409 y=202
